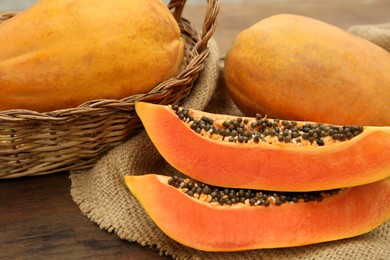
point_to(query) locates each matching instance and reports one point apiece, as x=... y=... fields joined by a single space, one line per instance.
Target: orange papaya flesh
x=270 y=164
x=212 y=227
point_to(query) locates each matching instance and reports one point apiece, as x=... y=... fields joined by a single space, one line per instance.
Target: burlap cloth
x=103 y=197
x=378 y=33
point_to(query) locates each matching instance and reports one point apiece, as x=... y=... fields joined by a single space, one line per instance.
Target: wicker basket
x=34 y=143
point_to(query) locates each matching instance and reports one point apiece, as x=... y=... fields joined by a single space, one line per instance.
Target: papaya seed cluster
x=225 y=196
x=263 y=129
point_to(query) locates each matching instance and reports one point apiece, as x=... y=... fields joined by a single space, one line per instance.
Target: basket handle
x=209 y=22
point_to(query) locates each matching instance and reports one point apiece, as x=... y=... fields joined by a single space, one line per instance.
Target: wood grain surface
x=39 y=220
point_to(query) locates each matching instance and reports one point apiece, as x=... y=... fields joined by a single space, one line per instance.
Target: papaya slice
x=343 y=156
x=211 y=227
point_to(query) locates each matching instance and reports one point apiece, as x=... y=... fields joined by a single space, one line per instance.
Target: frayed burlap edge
x=103 y=197
x=376 y=33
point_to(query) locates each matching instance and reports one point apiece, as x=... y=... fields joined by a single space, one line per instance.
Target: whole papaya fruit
x=294 y=67
x=60 y=53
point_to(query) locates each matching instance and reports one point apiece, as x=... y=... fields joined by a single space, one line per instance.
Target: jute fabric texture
x=103 y=197
x=377 y=33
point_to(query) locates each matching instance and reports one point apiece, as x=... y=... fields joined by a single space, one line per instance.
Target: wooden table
x=39 y=220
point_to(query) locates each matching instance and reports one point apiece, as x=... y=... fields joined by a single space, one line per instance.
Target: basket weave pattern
x=33 y=143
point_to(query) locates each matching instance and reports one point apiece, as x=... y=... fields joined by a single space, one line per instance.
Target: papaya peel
x=296 y=67
x=60 y=54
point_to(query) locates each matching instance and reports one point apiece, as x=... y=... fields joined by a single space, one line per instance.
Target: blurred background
x=237 y=15
x=22 y=4
x=15 y=4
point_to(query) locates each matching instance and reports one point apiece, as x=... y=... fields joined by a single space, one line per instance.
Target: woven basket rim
x=176 y=7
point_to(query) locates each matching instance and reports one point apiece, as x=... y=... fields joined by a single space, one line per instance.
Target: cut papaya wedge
x=297 y=156
x=212 y=227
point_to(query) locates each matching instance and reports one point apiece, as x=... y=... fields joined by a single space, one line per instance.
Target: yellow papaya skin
x=211 y=227
x=294 y=67
x=282 y=167
x=60 y=54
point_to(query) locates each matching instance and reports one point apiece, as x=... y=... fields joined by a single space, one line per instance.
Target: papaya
x=265 y=153
x=296 y=67
x=209 y=226
x=59 y=54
